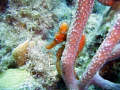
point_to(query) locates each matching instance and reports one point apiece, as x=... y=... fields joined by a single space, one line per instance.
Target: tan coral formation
x=20 y=53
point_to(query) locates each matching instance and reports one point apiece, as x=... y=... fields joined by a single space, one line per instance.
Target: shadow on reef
x=58 y=85
x=3 y=5
x=111 y=71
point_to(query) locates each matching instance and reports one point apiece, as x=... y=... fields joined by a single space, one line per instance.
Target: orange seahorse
x=60 y=37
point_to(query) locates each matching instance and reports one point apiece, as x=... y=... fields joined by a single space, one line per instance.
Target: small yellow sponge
x=20 y=53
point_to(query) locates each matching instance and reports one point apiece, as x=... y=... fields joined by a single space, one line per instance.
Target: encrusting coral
x=20 y=53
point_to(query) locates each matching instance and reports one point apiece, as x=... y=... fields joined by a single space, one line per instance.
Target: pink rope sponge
x=104 y=54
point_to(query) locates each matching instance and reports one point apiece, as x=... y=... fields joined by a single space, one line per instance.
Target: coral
x=41 y=63
x=16 y=79
x=34 y=15
x=30 y=20
x=11 y=38
x=20 y=53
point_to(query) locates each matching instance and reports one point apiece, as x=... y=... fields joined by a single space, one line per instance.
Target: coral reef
x=38 y=20
x=11 y=38
x=29 y=20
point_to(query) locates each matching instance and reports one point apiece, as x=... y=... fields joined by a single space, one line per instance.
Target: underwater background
x=28 y=26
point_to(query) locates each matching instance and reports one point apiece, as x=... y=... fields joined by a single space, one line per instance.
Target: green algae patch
x=15 y=78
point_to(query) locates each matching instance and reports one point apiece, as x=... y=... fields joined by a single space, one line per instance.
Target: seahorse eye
x=58 y=38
